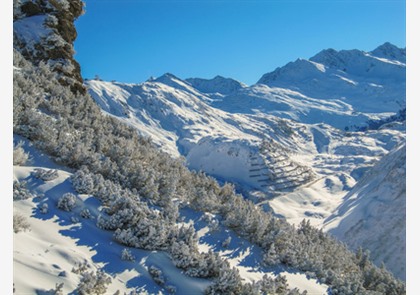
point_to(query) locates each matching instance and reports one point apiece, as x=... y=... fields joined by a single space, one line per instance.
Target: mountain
x=245 y=137
x=183 y=121
x=100 y=208
x=372 y=215
x=371 y=82
x=178 y=119
x=390 y=52
x=294 y=155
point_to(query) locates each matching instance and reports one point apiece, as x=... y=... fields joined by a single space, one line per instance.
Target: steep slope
x=372 y=215
x=56 y=242
x=44 y=31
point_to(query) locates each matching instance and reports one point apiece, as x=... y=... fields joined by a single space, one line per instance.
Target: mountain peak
x=390 y=51
x=170 y=80
x=337 y=59
x=297 y=70
x=218 y=84
x=165 y=77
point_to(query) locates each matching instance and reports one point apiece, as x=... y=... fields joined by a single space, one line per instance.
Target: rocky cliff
x=44 y=31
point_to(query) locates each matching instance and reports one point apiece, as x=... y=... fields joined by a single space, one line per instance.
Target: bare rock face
x=44 y=31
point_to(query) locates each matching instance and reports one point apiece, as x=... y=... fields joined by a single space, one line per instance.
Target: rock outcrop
x=44 y=31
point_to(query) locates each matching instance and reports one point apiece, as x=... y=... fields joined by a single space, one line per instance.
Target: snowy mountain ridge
x=369 y=83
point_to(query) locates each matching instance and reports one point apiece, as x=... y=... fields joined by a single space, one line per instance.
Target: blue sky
x=131 y=40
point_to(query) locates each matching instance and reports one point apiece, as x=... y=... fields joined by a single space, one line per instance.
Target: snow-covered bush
x=85 y=213
x=20 y=191
x=81 y=267
x=82 y=181
x=44 y=208
x=226 y=242
x=147 y=234
x=20 y=223
x=45 y=174
x=157 y=275
x=58 y=290
x=126 y=255
x=20 y=157
x=67 y=202
x=228 y=282
x=93 y=283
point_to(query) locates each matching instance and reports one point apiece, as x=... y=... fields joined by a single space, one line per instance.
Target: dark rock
x=30 y=9
x=46 y=50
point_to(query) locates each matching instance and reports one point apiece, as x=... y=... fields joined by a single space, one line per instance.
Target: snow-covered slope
x=370 y=82
x=291 y=104
x=178 y=119
x=57 y=242
x=372 y=215
x=208 y=132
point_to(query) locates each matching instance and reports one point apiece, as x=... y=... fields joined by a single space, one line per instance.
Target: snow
x=31 y=30
x=218 y=86
x=372 y=214
x=347 y=74
x=229 y=159
x=55 y=244
x=58 y=241
x=319 y=66
x=224 y=137
x=243 y=255
x=307 y=111
x=314 y=202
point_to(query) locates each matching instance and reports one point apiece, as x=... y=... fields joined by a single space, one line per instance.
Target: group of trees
x=142 y=190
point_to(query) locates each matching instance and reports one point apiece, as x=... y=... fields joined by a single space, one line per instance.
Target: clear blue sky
x=131 y=40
